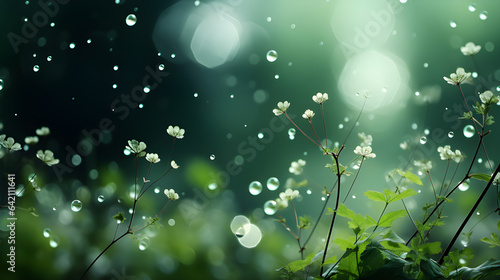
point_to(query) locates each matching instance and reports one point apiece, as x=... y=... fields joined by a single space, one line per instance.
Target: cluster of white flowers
x=282 y=106
x=296 y=167
x=488 y=98
x=320 y=98
x=153 y=158
x=9 y=143
x=286 y=196
x=43 y=131
x=308 y=114
x=171 y=194
x=447 y=154
x=31 y=140
x=367 y=139
x=458 y=77
x=365 y=151
x=424 y=165
x=136 y=147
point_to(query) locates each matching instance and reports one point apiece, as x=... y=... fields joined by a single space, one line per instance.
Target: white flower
x=282 y=203
x=446 y=153
x=308 y=114
x=425 y=165
x=10 y=144
x=282 y=108
x=153 y=158
x=136 y=147
x=367 y=139
x=31 y=140
x=364 y=151
x=496 y=181
x=176 y=132
x=488 y=97
x=43 y=131
x=47 y=157
x=174 y=164
x=289 y=194
x=458 y=77
x=470 y=49
x=296 y=167
x=171 y=194
x=320 y=98
x=457 y=156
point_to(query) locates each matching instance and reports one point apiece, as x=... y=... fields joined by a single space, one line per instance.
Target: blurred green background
x=209 y=74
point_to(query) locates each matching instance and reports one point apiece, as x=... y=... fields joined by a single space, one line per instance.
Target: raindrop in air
x=46 y=233
x=472 y=7
x=255 y=188
x=240 y=226
x=72 y=45
x=131 y=20
x=271 y=56
x=100 y=198
x=157 y=190
x=451 y=134
x=212 y=157
x=240 y=232
x=483 y=15
x=309 y=192
x=423 y=140
x=1 y=84
x=161 y=67
x=143 y=244
x=76 y=205
x=54 y=242
x=341 y=126
x=453 y=24
x=414 y=126
x=36 y=68
x=269 y=19
x=49 y=58
x=146 y=89
x=291 y=133
x=276 y=76
x=212 y=186
x=426 y=65
x=469 y=131
x=292 y=26
x=270 y=207
x=273 y=183
x=196 y=3
x=260 y=135
x=427 y=131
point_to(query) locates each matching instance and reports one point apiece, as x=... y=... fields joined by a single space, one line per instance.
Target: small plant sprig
x=374 y=248
x=138 y=149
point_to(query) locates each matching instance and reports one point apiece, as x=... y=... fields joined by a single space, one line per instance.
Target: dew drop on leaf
x=255 y=188
x=76 y=205
x=469 y=131
x=464 y=186
x=270 y=207
x=143 y=244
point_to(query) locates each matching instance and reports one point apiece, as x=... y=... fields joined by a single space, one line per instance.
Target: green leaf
x=498 y=224
x=330 y=211
x=489 y=120
x=119 y=217
x=304 y=222
x=407 y=193
x=431 y=269
x=300 y=264
x=346 y=212
x=410 y=176
x=330 y=260
x=490 y=267
x=388 y=218
x=467 y=116
x=493 y=241
x=375 y=196
x=481 y=176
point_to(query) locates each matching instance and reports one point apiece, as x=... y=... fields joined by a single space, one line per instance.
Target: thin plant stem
x=314 y=131
x=319 y=145
x=354 y=181
x=432 y=185
x=469 y=215
x=444 y=177
x=324 y=124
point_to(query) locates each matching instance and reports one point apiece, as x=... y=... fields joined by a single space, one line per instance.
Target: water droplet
x=146 y=89
x=464 y=243
x=453 y=24
x=472 y=7
x=479 y=160
x=426 y=65
x=292 y=26
x=240 y=232
x=72 y=45
x=272 y=55
x=100 y=198
x=464 y=186
x=171 y=222
x=115 y=67
x=276 y=76
x=474 y=75
x=269 y=19
x=172 y=55
x=46 y=232
x=52 y=24
x=469 y=131
x=341 y=126
x=131 y=20
x=54 y=242
x=36 y=68
x=291 y=133
x=115 y=86
x=76 y=205
x=417 y=93
x=423 y=140
x=161 y=67
x=427 y=131
x=384 y=90
x=255 y=188
x=1 y=84
x=197 y=3
x=49 y=58
x=478 y=213
x=483 y=15
x=451 y=134
x=195 y=94
x=273 y=183
x=260 y=135
x=212 y=186
x=270 y=207
x=309 y=191
x=212 y=157
x=353 y=197
x=143 y=244
x=414 y=126
x=141 y=106
x=240 y=225
x=89 y=41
